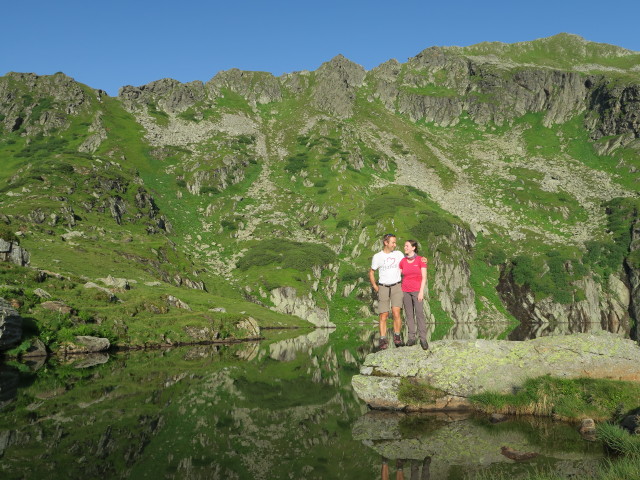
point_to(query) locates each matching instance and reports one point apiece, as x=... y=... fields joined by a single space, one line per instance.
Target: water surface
x=281 y=408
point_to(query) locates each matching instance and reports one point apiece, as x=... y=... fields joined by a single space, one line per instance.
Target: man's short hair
x=387 y=236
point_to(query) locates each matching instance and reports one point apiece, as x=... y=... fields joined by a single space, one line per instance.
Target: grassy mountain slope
x=504 y=161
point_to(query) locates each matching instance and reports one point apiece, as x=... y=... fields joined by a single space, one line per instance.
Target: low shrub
x=287 y=254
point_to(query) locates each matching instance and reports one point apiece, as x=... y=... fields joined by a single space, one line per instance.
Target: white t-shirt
x=388 y=266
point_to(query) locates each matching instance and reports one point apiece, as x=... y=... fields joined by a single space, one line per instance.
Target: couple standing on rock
x=401 y=280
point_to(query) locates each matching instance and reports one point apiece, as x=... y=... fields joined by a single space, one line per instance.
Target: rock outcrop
x=336 y=87
x=286 y=300
x=452 y=283
x=607 y=306
x=455 y=370
x=256 y=87
x=12 y=252
x=39 y=104
x=168 y=94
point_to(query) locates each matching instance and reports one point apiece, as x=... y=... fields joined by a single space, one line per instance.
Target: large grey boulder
x=110 y=295
x=458 y=369
x=13 y=253
x=85 y=344
x=121 y=283
x=10 y=325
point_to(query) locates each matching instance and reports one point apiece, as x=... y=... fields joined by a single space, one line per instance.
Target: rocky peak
x=168 y=94
x=387 y=70
x=341 y=67
x=432 y=56
x=40 y=103
x=337 y=81
x=256 y=87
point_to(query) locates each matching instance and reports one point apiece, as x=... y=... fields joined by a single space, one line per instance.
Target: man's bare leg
x=397 y=319
x=383 y=324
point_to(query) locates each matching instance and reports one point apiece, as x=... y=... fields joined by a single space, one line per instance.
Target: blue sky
x=114 y=43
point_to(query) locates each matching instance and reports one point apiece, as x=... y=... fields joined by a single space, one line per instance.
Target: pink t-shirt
x=412 y=273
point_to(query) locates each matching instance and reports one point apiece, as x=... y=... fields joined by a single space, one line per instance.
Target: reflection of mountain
x=197 y=413
x=286 y=350
x=529 y=331
x=461 y=443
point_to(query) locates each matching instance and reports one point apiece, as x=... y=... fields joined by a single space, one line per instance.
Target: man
x=387 y=262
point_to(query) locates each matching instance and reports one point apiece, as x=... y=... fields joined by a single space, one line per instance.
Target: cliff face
x=603 y=307
x=483 y=154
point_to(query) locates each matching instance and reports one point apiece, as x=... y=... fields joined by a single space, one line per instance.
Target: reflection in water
x=9 y=377
x=419 y=470
x=86 y=360
x=446 y=446
x=529 y=331
x=256 y=410
x=286 y=350
x=191 y=413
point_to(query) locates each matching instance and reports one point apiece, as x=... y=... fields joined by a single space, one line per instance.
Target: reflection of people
x=415 y=469
x=419 y=470
x=388 y=287
x=399 y=471
x=414 y=279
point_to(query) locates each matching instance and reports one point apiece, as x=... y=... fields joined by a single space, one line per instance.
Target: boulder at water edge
x=457 y=369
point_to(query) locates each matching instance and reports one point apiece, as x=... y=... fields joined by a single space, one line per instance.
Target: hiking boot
x=411 y=342
x=384 y=343
x=424 y=344
x=397 y=340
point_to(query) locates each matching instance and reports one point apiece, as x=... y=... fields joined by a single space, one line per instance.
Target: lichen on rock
x=463 y=368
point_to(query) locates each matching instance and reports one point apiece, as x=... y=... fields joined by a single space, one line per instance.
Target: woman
x=414 y=279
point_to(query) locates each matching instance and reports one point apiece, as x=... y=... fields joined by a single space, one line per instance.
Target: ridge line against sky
x=109 y=45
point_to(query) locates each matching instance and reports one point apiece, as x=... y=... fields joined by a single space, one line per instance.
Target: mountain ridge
x=520 y=182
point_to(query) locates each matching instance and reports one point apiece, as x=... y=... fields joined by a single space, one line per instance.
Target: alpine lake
x=280 y=408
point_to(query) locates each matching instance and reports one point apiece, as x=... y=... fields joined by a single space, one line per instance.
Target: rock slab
x=463 y=368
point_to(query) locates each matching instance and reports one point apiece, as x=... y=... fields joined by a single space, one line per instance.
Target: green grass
x=561 y=51
x=230 y=100
x=432 y=90
x=619 y=440
x=287 y=254
x=571 y=399
x=618 y=469
x=485 y=264
x=548 y=274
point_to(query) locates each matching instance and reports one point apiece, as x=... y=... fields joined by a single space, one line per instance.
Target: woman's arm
x=422 y=284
